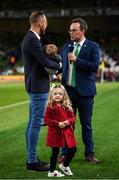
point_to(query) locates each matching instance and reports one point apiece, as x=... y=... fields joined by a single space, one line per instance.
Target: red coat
x=58 y=137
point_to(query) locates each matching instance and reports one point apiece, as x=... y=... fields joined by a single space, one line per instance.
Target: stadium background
x=102 y=17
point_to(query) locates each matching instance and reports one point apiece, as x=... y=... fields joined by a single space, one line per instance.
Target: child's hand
x=62 y=124
x=66 y=123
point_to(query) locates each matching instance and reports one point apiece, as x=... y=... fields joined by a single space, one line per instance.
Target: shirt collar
x=81 y=42
x=37 y=35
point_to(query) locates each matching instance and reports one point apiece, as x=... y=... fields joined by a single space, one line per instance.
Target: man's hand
x=71 y=57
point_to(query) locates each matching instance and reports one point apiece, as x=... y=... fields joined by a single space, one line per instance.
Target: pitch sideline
x=13 y=105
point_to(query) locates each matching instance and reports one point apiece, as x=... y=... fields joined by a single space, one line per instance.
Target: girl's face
x=58 y=95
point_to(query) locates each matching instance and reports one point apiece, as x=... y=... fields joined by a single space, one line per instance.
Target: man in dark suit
x=81 y=59
x=37 y=85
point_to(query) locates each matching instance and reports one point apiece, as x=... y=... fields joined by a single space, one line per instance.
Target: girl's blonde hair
x=66 y=103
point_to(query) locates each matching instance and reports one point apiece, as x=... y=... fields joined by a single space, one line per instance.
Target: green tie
x=73 y=78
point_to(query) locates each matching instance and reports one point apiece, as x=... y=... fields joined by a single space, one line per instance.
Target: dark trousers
x=84 y=105
x=55 y=152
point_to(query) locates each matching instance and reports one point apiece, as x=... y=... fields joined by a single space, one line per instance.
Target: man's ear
x=83 y=30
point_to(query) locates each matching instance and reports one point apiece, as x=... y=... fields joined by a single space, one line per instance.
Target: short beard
x=41 y=32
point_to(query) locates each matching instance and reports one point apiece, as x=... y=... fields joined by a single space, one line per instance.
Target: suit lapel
x=83 y=48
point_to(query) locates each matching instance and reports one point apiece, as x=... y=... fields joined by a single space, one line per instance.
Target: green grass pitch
x=13 y=120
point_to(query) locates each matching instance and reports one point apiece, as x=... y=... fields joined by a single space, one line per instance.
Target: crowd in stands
x=109 y=65
x=10 y=58
x=11 y=63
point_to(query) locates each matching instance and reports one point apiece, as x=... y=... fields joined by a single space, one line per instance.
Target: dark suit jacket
x=86 y=66
x=35 y=61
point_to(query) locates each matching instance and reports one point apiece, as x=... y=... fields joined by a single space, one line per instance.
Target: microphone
x=70 y=48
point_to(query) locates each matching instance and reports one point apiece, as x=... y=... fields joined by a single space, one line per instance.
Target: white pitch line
x=13 y=105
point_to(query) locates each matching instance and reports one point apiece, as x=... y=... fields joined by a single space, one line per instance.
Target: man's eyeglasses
x=73 y=30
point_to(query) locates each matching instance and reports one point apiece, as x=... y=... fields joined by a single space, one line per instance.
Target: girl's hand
x=66 y=123
x=61 y=124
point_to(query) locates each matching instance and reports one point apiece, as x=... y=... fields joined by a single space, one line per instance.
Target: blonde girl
x=59 y=117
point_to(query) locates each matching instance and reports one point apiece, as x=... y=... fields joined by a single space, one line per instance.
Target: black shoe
x=92 y=159
x=43 y=163
x=37 y=166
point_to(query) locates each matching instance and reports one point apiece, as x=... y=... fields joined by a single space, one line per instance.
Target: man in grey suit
x=37 y=85
x=81 y=58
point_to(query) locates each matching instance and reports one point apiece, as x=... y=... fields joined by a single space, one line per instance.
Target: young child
x=51 y=51
x=60 y=118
